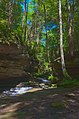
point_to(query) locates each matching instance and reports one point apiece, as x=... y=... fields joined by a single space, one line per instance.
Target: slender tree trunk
x=61 y=44
x=47 y=50
x=9 y=9
x=25 y=19
x=69 y=25
x=70 y=22
x=72 y=31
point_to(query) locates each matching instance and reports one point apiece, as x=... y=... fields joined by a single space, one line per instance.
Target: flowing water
x=16 y=91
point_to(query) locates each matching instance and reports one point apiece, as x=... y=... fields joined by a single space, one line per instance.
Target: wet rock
x=43 y=80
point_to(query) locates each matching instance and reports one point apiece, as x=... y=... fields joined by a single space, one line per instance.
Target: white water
x=16 y=91
x=21 y=90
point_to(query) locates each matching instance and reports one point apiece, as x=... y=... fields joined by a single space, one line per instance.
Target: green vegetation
x=44 y=71
x=58 y=104
x=69 y=83
x=47 y=31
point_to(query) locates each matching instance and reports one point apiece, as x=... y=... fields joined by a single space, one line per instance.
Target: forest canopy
x=49 y=28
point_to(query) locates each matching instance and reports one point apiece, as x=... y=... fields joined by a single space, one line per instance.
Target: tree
x=25 y=20
x=35 y=24
x=61 y=43
x=45 y=19
x=10 y=21
x=70 y=22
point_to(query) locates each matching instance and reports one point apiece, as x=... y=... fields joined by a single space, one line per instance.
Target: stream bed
x=24 y=88
x=16 y=91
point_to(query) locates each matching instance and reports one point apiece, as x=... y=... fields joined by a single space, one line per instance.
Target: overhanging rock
x=12 y=61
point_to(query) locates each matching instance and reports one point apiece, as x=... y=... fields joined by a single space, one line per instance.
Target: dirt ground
x=57 y=103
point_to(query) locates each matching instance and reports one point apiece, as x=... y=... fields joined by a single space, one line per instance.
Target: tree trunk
x=72 y=31
x=25 y=19
x=65 y=74
x=9 y=9
x=47 y=50
x=70 y=22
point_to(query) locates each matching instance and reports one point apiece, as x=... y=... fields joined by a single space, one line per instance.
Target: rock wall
x=12 y=62
x=72 y=66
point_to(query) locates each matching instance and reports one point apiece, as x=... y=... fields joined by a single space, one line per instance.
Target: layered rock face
x=12 y=63
x=72 y=66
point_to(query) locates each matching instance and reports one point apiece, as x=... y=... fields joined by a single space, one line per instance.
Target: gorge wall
x=13 y=63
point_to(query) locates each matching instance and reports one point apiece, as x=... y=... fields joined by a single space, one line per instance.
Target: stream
x=18 y=90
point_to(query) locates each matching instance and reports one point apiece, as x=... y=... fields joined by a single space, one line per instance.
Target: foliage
x=37 y=28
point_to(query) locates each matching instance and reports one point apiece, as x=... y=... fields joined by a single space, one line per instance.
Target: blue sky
x=22 y=5
x=49 y=26
x=71 y=1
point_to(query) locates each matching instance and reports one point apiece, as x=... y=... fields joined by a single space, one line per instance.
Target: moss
x=58 y=104
x=66 y=75
x=69 y=83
